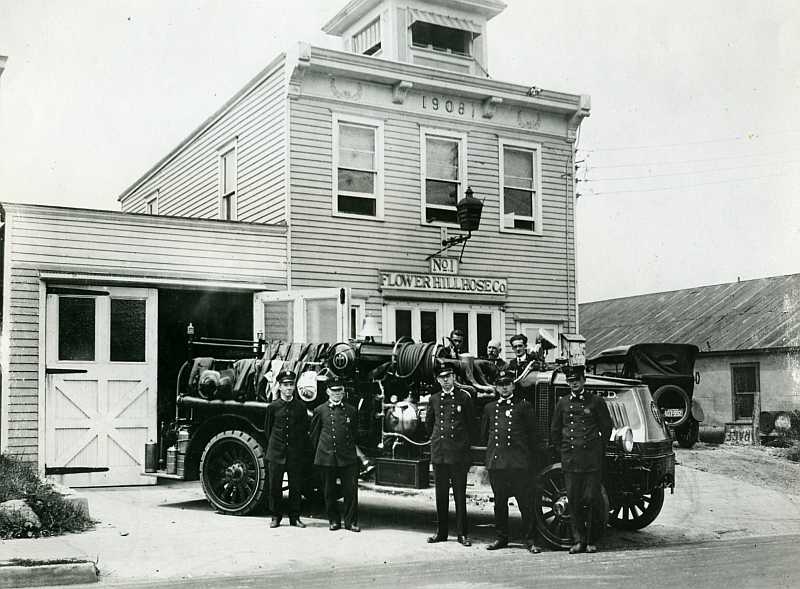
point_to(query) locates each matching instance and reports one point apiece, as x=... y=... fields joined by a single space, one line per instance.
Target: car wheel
x=233 y=472
x=551 y=507
x=674 y=404
x=630 y=511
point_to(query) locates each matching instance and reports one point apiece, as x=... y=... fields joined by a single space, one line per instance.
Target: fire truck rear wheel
x=233 y=472
x=635 y=511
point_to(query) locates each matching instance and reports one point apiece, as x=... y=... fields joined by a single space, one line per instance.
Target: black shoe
x=276 y=521
x=534 y=549
x=353 y=528
x=464 y=541
x=497 y=544
x=577 y=547
x=296 y=523
x=436 y=538
x=334 y=526
x=591 y=548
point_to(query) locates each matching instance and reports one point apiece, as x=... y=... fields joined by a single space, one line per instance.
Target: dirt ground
x=758 y=465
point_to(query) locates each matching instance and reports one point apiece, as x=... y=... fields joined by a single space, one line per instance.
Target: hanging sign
x=444 y=265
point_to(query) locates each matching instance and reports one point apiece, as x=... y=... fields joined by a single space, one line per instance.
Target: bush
x=19 y=480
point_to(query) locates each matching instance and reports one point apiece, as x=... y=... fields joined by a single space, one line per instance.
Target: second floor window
x=227 y=182
x=443 y=175
x=520 y=207
x=358 y=167
x=151 y=204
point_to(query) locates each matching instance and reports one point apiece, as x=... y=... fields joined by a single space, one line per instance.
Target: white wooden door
x=101 y=366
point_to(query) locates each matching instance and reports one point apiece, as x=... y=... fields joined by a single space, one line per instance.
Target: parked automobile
x=668 y=371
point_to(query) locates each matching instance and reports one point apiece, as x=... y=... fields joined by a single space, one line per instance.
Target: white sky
x=691 y=158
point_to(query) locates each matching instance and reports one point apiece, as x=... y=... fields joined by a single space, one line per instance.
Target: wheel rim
x=552 y=508
x=635 y=511
x=232 y=474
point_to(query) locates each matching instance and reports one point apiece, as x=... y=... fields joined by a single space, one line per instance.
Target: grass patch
x=19 y=480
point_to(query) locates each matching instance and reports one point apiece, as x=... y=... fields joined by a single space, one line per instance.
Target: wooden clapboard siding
x=187 y=179
x=141 y=247
x=329 y=250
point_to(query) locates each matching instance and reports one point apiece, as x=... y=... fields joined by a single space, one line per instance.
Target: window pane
x=526 y=225
x=744 y=406
x=440 y=215
x=442 y=159
x=461 y=321
x=352 y=181
x=427 y=325
x=519 y=202
x=229 y=172
x=357 y=206
x=518 y=168
x=279 y=320
x=402 y=323
x=744 y=379
x=356 y=147
x=127 y=330
x=441 y=38
x=441 y=193
x=484 y=326
x=75 y=328
x=321 y=320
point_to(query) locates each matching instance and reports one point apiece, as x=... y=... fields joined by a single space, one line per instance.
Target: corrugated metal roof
x=746 y=315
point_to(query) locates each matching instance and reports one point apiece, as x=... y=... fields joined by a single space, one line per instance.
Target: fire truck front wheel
x=233 y=472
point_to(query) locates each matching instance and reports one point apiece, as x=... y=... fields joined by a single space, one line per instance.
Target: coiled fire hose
x=407 y=358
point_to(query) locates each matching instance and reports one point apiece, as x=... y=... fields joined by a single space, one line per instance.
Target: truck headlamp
x=624 y=438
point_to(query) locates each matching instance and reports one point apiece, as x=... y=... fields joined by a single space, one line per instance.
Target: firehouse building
x=310 y=207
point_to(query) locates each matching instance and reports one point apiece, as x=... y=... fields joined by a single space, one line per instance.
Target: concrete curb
x=40 y=575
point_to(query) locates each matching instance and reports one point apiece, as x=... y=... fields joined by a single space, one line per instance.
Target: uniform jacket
x=286 y=430
x=449 y=421
x=333 y=435
x=580 y=430
x=508 y=429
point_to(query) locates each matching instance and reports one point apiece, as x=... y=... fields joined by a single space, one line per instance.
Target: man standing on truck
x=452 y=350
x=522 y=357
x=508 y=429
x=493 y=349
x=580 y=429
x=286 y=431
x=333 y=436
x=449 y=421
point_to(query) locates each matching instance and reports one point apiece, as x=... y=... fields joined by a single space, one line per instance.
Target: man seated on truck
x=286 y=431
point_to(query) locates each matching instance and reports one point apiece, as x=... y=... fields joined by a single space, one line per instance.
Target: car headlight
x=624 y=438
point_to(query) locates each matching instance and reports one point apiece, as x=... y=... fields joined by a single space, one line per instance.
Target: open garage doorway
x=221 y=314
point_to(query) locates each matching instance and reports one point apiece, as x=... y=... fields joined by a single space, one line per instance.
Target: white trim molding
x=463 y=180
x=377 y=126
x=223 y=150
x=535 y=149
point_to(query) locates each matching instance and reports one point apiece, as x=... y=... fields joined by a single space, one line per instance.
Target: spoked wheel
x=552 y=509
x=233 y=472
x=633 y=512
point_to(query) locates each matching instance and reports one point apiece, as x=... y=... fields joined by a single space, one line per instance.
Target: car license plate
x=673 y=413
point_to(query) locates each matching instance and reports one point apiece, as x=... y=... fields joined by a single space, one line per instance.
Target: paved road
x=732 y=564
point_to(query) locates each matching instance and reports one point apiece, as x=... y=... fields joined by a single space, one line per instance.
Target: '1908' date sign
x=443 y=283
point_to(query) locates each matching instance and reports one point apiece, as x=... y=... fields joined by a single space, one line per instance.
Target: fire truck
x=217 y=434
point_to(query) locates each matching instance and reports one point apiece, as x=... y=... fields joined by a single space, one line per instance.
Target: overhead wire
x=748 y=136
x=691 y=172
x=694 y=160
x=685 y=186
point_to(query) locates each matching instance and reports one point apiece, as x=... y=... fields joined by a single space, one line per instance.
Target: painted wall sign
x=444 y=265
x=443 y=283
x=739 y=434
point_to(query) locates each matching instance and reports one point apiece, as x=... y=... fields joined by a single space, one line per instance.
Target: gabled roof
x=737 y=316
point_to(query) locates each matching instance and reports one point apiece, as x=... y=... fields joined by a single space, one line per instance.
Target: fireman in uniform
x=580 y=428
x=452 y=351
x=508 y=428
x=286 y=431
x=449 y=422
x=334 y=428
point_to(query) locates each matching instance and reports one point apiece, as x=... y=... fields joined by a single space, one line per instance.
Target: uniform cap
x=574 y=372
x=443 y=369
x=504 y=377
x=335 y=384
x=286 y=376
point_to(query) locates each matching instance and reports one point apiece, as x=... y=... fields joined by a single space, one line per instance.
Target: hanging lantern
x=468 y=212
